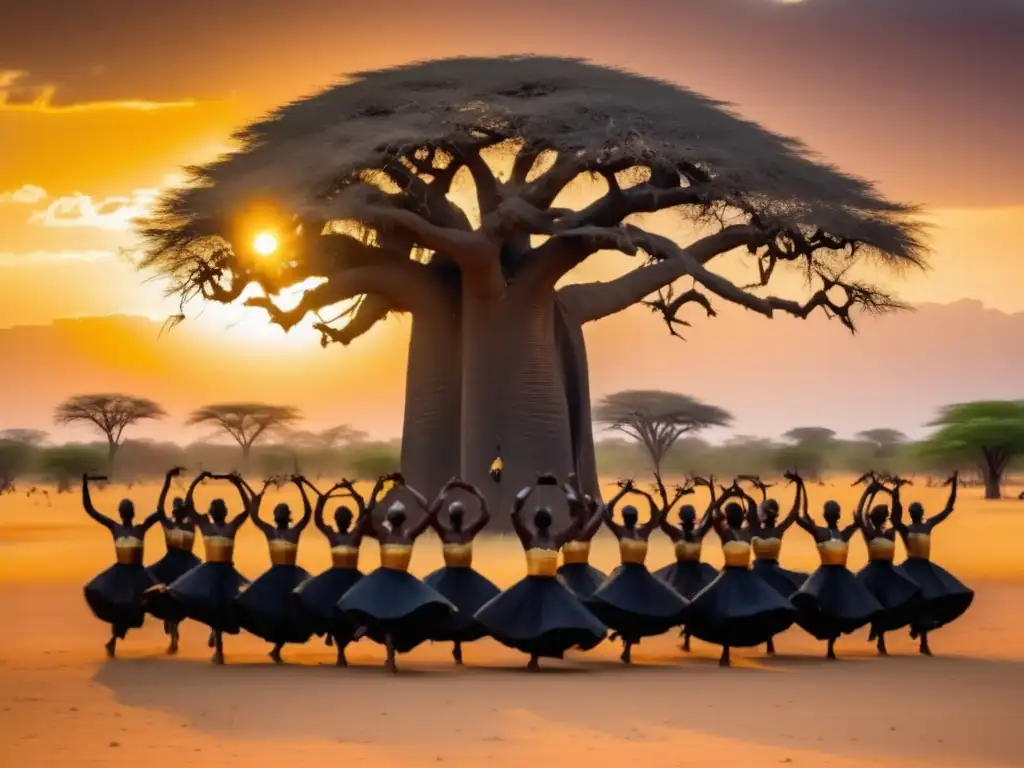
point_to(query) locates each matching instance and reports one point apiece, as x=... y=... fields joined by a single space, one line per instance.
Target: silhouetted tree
x=436 y=189
x=27 y=436
x=110 y=413
x=806 y=450
x=885 y=444
x=245 y=422
x=326 y=438
x=65 y=464
x=657 y=419
x=988 y=434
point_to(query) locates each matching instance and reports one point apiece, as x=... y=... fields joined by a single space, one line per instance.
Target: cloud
x=42 y=258
x=18 y=94
x=110 y=213
x=29 y=194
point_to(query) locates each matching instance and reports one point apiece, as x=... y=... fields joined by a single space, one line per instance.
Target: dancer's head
x=218 y=511
x=916 y=512
x=734 y=515
x=395 y=517
x=126 y=511
x=542 y=519
x=343 y=518
x=178 y=509
x=878 y=515
x=831 y=513
x=456 y=515
x=629 y=516
x=688 y=517
x=282 y=515
x=769 y=511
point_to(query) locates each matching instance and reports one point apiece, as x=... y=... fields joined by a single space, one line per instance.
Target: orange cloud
x=39 y=99
x=37 y=258
x=110 y=213
x=28 y=194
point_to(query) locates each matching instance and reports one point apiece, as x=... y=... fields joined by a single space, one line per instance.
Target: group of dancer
x=557 y=606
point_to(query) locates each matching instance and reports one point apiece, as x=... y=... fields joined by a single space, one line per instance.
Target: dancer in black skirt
x=463 y=587
x=539 y=615
x=737 y=609
x=179 y=536
x=576 y=572
x=766 y=534
x=396 y=609
x=318 y=597
x=115 y=595
x=899 y=596
x=207 y=593
x=943 y=597
x=832 y=602
x=631 y=602
x=266 y=608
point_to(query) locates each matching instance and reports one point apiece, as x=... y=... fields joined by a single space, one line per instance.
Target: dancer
x=179 y=537
x=832 y=602
x=576 y=572
x=631 y=601
x=318 y=597
x=899 y=596
x=943 y=598
x=737 y=609
x=115 y=595
x=395 y=607
x=766 y=540
x=688 y=575
x=207 y=593
x=462 y=586
x=539 y=615
x=266 y=608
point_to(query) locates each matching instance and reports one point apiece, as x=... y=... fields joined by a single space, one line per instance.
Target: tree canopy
x=111 y=413
x=245 y=423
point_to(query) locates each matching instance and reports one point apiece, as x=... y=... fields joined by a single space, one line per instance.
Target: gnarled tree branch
x=361 y=318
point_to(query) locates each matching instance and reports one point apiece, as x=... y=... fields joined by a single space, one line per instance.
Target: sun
x=265 y=243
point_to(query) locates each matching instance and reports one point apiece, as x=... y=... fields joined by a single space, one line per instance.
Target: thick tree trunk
x=512 y=392
x=431 y=435
x=993 y=476
x=111 y=457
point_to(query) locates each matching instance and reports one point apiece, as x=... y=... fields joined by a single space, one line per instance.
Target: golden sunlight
x=265 y=243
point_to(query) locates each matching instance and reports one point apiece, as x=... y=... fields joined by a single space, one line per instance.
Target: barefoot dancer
x=899 y=595
x=462 y=586
x=832 y=602
x=737 y=609
x=179 y=537
x=766 y=540
x=688 y=575
x=318 y=597
x=207 y=593
x=576 y=571
x=266 y=608
x=397 y=609
x=631 y=602
x=115 y=595
x=539 y=615
x=943 y=598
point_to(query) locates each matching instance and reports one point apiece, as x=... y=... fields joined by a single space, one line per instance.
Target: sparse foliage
x=111 y=413
x=245 y=423
x=64 y=464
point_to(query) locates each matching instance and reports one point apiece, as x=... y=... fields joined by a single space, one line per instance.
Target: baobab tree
x=445 y=190
x=111 y=413
x=245 y=422
x=657 y=419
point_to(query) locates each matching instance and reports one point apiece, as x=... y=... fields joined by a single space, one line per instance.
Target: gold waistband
x=919 y=545
x=128 y=550
x=737 y=554
x=179 y=538
x=283 y=552
x=633 y=550
x=688 y=551
x=219 y=549
x=881 y=549
x=395 y=557
x=344 y=556
x=542 y=562
x=576 y=552
x=833 y=552
x=458 y=555
x=767 y=549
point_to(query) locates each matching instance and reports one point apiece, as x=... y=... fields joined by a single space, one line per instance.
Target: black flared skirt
x=687 y=577
x=267 y=608
x=168 y=569
x=115 y=596
x=318 y=598
x=395 y=603
x=783 y=581
x=541 y=617
x=207 y=594
x=943 y=597
x=467 y=590
x=635 y=604
x=832 y=602
x=582 y=579
x=897 y=593
x=738 y=609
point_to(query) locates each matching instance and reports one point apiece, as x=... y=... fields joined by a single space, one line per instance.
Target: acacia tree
x=657 y=419
x=806 y=450
x=988 y=434
x=327 y=438
x=245 y=422
x=884 y=442
x=436 y=189
x=109 y=413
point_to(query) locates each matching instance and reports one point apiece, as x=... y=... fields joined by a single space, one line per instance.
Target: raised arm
x=251 y=504
x=952 y=482
x=485 y=509
x=577 y=522
x=161 y=504
x=804 y=519
x=658 y=515
x=307 y=509
x=522 y=530
x=753 y=519
x=90 y=510
x=864 y=509
x=431 y=511
x=190 y=503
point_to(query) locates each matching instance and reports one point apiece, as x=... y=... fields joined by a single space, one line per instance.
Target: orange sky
x=97 y=110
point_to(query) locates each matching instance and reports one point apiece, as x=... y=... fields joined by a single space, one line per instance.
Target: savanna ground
x=62 y=703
